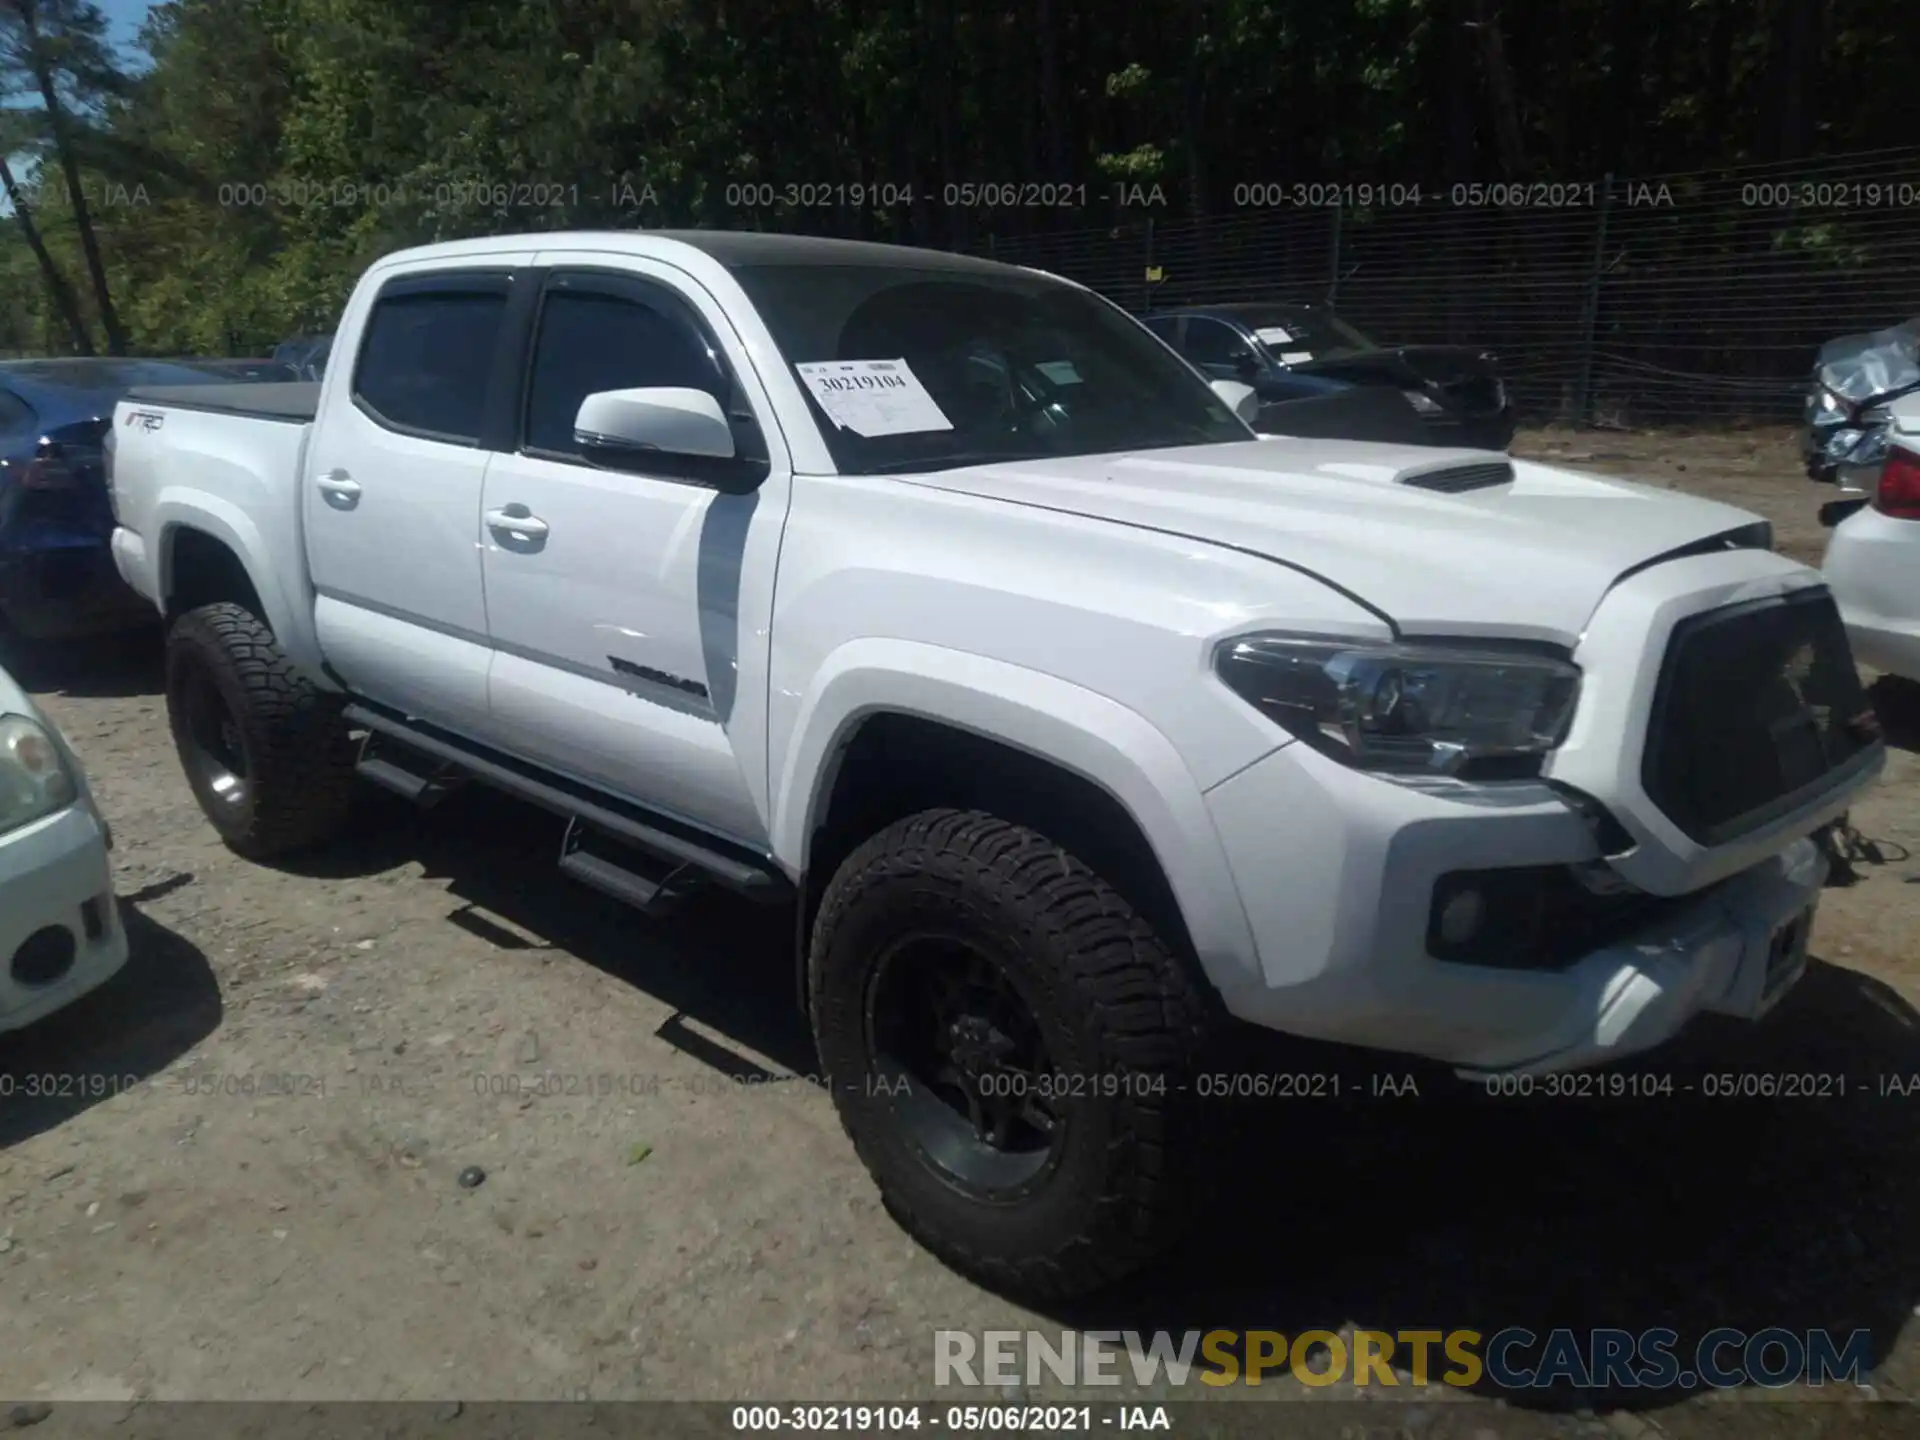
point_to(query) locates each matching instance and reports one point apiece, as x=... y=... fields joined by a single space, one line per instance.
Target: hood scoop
x=1458 y=479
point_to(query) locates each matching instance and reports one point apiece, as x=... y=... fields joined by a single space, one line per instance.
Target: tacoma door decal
x=658 y=677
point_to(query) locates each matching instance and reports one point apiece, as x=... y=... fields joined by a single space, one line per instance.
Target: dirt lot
x=269 y=1204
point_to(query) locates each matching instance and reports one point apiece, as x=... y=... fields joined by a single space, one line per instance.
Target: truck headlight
x=1407 y=709
x=35 y=780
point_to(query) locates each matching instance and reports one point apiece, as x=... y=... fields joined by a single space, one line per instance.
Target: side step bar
x=682 y=856
x=622 y=878
x=425 y=791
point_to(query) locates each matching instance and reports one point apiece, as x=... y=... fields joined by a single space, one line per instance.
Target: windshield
x=939 y=368
x=1315 y=331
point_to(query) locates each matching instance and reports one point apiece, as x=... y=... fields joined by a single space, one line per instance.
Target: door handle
x=338 y=482
x=515 y=520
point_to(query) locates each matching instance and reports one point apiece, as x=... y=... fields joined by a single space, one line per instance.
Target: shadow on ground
x=1413 y=1201
x=726 y=968
x=107 y=667
x=1690 y=1210
x=161 y=1004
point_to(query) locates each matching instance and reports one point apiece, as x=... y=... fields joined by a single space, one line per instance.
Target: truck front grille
x=1758 y=710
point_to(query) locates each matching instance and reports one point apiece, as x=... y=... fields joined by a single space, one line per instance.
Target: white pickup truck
x=941 y=600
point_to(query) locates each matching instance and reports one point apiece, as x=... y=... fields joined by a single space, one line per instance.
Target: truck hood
x=1530 y=556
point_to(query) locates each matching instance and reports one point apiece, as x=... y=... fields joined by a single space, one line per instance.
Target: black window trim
x=478 y=280
x=645 y=290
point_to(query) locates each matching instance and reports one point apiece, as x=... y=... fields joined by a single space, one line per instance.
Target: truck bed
x=292 y=401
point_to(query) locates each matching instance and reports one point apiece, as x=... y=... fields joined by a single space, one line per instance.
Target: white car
x=1873 y=556
x=60 y=931
x=940 y=601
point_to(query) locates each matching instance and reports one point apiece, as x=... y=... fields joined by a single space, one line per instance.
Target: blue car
x=57 y=578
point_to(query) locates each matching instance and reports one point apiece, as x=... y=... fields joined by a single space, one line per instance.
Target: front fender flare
x=1095 y=737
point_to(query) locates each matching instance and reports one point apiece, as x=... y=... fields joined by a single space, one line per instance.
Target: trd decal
x=658 y=677
x=147 y=420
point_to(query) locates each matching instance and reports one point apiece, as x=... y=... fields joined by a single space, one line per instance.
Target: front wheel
x=1010 y=1048
x=264 y=748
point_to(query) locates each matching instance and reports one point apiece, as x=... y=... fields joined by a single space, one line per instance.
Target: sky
x=125 y=17
x=124 y=20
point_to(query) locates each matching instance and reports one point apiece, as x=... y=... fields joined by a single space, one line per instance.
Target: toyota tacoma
x=940 y=601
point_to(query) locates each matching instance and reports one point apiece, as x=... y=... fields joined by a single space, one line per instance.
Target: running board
x=684 y=856
x=649 y=888
x=390 y=773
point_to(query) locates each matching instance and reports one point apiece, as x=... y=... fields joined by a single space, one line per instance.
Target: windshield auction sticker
x=873 y=397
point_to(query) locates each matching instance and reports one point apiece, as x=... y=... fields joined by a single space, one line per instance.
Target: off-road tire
x=300 y=766
x=1109 y=992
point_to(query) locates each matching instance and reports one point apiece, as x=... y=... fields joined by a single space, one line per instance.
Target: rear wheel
x=1010 y=1047
x=264 y=749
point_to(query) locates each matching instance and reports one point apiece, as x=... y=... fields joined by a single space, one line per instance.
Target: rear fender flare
x=218 y=519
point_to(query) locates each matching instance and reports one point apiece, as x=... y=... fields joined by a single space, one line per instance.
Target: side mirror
x=669 y=419
x=1246 y=362
x=1243 y=400
x=673 y=432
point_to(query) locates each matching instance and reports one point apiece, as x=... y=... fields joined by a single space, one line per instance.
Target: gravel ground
x=299 y=1066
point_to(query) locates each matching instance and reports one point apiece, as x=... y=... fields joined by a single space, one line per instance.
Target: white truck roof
x=729 y=248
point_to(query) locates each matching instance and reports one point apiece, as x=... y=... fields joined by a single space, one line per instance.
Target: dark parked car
x=1291 y=352
x=57 y=579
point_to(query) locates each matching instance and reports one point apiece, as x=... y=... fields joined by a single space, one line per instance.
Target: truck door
x=392 y=491
x=629 y=609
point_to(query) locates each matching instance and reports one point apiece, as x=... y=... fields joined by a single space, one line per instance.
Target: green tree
x=60 y=47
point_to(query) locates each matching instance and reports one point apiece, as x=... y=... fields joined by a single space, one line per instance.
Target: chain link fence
x=1670 y=299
